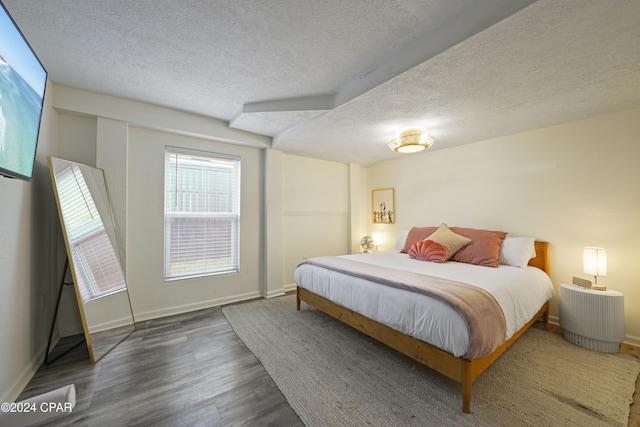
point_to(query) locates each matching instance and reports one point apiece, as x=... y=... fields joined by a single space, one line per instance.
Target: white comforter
x=520 y=292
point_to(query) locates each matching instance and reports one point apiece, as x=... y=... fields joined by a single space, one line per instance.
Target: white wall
x=303 y=205
x=111 y=155
x=94 y=129
x=28 y=282
x=315 y=210
x=359 y=197
x=273 y=222
x=573 y=185
x=77 y=136
x=150 y=296
x=124 y=137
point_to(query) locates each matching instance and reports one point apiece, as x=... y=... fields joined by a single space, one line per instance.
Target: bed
x=435 y=332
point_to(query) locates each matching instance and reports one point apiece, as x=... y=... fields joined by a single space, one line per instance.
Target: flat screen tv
x=22 y=85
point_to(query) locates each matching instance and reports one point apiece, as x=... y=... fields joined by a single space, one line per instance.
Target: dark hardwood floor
x=185 y=370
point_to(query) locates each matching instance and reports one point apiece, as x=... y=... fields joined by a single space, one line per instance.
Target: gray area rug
x=333 y=375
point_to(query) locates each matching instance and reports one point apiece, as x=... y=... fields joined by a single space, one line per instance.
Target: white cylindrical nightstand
x=592 y=319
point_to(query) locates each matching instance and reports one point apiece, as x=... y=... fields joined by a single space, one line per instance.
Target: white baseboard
x=72 y=330
x=12 y=393
x=289 y=288
x=124 y=321
x=181 y=309
x=275 y=293
x=632 y=340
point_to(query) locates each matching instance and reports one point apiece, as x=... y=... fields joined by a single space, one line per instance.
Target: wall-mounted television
x=22 y=85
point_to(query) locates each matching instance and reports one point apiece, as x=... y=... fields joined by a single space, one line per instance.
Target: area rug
x=333 y=375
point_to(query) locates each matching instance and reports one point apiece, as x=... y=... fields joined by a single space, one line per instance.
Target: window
x=97 y=266
x=201 y=213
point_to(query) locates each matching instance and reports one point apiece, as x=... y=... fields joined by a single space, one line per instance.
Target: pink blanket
x=484 y=317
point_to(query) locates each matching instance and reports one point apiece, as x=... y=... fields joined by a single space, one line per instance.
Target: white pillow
x=402 y=237
x=517 y=251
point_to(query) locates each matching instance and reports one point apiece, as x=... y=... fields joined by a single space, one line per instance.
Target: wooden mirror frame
x=107 y=316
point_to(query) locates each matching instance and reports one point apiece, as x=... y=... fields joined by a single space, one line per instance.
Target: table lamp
x=595 y=264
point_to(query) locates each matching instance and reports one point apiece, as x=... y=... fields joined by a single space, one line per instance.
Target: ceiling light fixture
x=411 y=141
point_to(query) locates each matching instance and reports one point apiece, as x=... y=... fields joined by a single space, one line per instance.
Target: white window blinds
x=98 y=270
x=202 y=213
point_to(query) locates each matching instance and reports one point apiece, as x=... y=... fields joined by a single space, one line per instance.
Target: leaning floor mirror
x=90 y=239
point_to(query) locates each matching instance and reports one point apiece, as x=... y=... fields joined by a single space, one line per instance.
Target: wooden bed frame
x=463 y=371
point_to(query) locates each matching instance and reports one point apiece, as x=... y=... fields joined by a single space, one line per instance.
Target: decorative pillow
x=428 y=250
x=485 y=248
x=451 y=241
x=417 y=234
x=517 y=251
x=402 y=237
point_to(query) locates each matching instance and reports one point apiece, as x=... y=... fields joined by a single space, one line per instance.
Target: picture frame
x=383 y=209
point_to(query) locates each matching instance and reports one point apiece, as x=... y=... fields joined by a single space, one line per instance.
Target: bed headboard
x=541 y=260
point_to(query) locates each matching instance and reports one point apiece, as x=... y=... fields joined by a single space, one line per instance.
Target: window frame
x=85 y=237
x=234 y=215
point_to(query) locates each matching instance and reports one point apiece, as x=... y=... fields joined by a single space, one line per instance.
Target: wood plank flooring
x=189 y=369
x=182 y=370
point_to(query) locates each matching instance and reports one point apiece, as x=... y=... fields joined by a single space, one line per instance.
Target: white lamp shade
x=595 y=261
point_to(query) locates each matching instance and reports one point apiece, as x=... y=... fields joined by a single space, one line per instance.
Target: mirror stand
x=89 y=235
x=48 y=352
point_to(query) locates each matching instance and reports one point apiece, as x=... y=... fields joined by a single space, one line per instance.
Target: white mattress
x=520 y=292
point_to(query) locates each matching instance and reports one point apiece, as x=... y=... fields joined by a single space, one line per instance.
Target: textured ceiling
x=337 y=79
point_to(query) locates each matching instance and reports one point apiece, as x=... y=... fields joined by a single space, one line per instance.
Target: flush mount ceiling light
x=411 y=141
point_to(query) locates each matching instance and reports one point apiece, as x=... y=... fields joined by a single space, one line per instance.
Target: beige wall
x=315 y=210
x=573 y=185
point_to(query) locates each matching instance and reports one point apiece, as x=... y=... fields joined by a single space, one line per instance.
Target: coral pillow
x=417 y=234
x=485 y=249
x=452 y=242
x=428 y=250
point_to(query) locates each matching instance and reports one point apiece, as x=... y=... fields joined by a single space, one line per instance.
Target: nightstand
x=592 y=319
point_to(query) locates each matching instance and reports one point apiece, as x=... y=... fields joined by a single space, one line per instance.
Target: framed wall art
x=382 y=207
